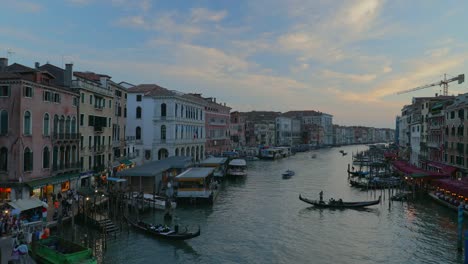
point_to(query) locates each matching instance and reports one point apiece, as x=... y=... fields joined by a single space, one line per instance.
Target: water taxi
x=237 y=167
x=197 y=184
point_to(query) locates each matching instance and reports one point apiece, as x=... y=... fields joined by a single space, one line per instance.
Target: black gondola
x=168 y=233
x=339 y=204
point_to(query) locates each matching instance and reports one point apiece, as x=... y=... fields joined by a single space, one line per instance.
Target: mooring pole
x=466 y=248
x=460 y=228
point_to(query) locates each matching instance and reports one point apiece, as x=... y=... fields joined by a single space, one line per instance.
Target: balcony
x=98 y=107
x=65 y=167
x=91 y=87
x=98 y=129
x=99 y=149
x=56 y=137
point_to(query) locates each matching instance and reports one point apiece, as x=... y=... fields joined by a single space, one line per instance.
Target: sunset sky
x=346 y=58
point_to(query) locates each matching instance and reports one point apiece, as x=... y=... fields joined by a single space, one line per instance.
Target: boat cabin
x=196 y=184
x=237 y=167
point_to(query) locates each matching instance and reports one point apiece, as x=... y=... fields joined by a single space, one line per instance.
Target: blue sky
x=346 y=58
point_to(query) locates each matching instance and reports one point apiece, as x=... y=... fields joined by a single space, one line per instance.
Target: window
x=3 y=159
x=46 y=158
x=4 y=122
x=82 y=98
x=138 y=112
x=27 y=91
x=163 y=109
x=176 y=106
x=163 y=132
x=138 y=133
x=27 y=123
x=81 y=119
x=452 y=116
x=125 y=111
x=4 y=91
x=46 y=125
x=73 y=125
x=90 y=99
x=110 y=122
x=56 y=98
x=110 y=103
x=27 y=160
x=138 y=97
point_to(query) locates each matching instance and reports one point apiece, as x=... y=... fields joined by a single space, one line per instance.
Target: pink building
x=217 y=127
x=38 y=132
x=237 y=130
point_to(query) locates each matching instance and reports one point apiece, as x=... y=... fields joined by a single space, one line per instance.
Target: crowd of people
x=63 y=201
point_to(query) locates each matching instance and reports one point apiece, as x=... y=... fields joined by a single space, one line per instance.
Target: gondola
x=169 y=233
x=339 y=204
x=287 y=174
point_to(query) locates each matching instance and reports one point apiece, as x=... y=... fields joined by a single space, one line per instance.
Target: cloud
x=349 y=77
x=24 y=6
x=203 y=14
x=440 y=52
x=387 y=69
x=132 y=22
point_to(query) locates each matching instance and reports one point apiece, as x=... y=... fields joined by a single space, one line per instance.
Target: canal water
x=261 y=220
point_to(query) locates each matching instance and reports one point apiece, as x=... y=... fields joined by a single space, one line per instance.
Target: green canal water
x=261 y=220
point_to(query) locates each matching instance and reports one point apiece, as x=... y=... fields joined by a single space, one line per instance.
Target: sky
x=347 y=58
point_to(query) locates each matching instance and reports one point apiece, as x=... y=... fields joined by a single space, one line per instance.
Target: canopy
x=26 y=204
x=195 y=174
x=459 y=187
x=415 y=172
x=112 y=179
x=126 y=162
x=213 y=161
x=155 y=168
x=443 y=168
x=52 y=180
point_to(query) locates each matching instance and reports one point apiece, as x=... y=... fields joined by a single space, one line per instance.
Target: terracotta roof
x=9 y=75
x=90 y=76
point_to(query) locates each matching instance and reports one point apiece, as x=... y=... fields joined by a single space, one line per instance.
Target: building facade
x=237 y=130
x=96 y=115
x=217 y=124
x=164 y=123
x=38 y=133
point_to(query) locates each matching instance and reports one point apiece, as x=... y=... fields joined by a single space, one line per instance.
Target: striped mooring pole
x=460 y=228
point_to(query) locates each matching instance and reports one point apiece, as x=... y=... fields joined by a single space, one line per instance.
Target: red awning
x=455 y=186
x=390 y=155
x=409 y=169
x=442 y=168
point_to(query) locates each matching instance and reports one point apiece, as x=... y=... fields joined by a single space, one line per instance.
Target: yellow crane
x=460 y=78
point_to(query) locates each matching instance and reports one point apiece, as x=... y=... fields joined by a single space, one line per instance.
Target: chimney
x=67 y=78
x=3 y=64
x=36 y=65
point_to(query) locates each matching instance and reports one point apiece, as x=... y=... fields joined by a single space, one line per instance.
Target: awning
x=443 y=168
x=52 y=180
x=26 y=204
x=116 y=179
x=115 y=164
x=126 y=162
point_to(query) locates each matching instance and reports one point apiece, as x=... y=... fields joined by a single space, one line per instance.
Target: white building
x=164 y=123
x=284 y=131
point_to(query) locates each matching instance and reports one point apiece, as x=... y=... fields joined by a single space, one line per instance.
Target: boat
x=341 y=151
x=344 y=153
x=338 y=204
x=197 y=184
x=237 y=167
x=288 y=174
x=56 y=250
x=314 y=156
x=164 y=232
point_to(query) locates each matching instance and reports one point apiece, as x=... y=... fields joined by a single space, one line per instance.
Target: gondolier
x=321 y=196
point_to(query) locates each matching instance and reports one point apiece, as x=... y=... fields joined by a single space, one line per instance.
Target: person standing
x=321 y=196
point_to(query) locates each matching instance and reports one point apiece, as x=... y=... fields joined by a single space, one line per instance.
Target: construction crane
x=460 y=78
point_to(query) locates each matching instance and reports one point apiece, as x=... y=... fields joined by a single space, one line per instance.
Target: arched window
x=68 y=126
x=182 y=131
x=56 y=124
x=73 y=125
x=181 y=111
x=27 y=160
x=138 y=133
x=46 y=125
x=55 y=158
x=4 y=122
x=176 y=108
x=27 y=123
x=62 y=125
x=163 y=132
x=138 y=112
x=3 y=159
x=163 y=109
x=176 y=131
x=46 y=158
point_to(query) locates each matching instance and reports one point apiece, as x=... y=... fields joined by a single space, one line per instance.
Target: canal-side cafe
x=152 y=177
x=417 y=177
x=53 y=185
